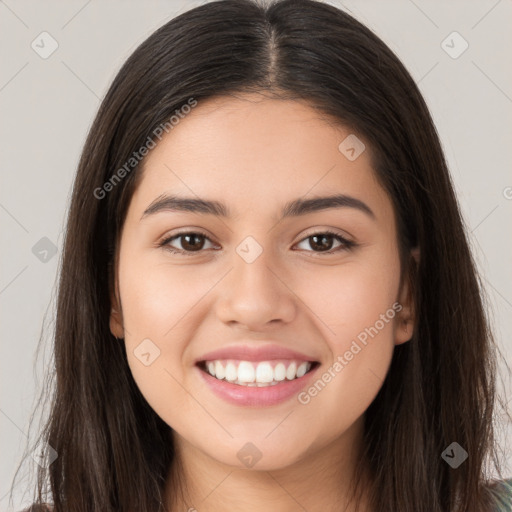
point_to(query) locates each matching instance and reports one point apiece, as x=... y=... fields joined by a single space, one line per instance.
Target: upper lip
x=260 y=353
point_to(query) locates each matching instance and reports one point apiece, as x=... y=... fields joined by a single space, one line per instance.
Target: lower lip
x=253 y=395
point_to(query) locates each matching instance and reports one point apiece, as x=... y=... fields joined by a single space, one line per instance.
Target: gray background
x=47 y=106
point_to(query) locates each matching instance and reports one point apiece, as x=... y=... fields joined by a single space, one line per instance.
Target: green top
x=503 y=494
x=502 y=491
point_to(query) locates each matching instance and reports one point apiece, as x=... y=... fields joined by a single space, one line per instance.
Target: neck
x=321 y=480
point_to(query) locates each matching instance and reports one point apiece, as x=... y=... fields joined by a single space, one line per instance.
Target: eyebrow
x=294 y=208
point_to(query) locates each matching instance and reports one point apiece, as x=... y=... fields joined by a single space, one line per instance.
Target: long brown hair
x=114 y=452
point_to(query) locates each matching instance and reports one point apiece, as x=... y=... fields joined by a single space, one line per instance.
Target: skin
x=255 y=154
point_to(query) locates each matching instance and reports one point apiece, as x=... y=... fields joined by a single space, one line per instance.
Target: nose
x=256 y=295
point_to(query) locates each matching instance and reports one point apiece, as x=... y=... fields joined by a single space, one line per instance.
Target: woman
x=267 y=299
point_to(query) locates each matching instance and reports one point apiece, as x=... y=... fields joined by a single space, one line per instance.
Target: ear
x=406 y=317
x=116 y=314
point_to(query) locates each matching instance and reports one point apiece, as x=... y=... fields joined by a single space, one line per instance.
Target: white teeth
x=280 y=372
x=231 y=373
x=302 y=369
x=291 y=372
x=264 y=373
x=261 y=374
x=219 y=370
x=246 y=372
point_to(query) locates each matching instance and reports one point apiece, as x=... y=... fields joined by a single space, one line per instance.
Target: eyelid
x=346 y=243
x=187 y=231
x=332 y=231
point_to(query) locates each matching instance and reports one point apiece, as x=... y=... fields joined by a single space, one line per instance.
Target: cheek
x=156 y=298
x=156 y=305
x=351 y=298
x=356 y=307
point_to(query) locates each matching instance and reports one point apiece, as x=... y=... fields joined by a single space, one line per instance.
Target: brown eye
x=193 y=241
x=322 y=242
x=189 y=241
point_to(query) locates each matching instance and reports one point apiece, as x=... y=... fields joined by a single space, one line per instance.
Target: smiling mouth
x=257 y=374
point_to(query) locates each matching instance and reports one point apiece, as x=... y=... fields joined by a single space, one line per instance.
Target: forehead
x=249 y=151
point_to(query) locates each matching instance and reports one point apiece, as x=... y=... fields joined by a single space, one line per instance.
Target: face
x=256 y=293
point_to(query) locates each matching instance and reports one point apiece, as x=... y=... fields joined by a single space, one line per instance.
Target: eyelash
x=345 y=244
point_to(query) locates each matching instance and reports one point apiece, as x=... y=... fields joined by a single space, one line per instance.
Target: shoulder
x=38 y=507
x=501 y=491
